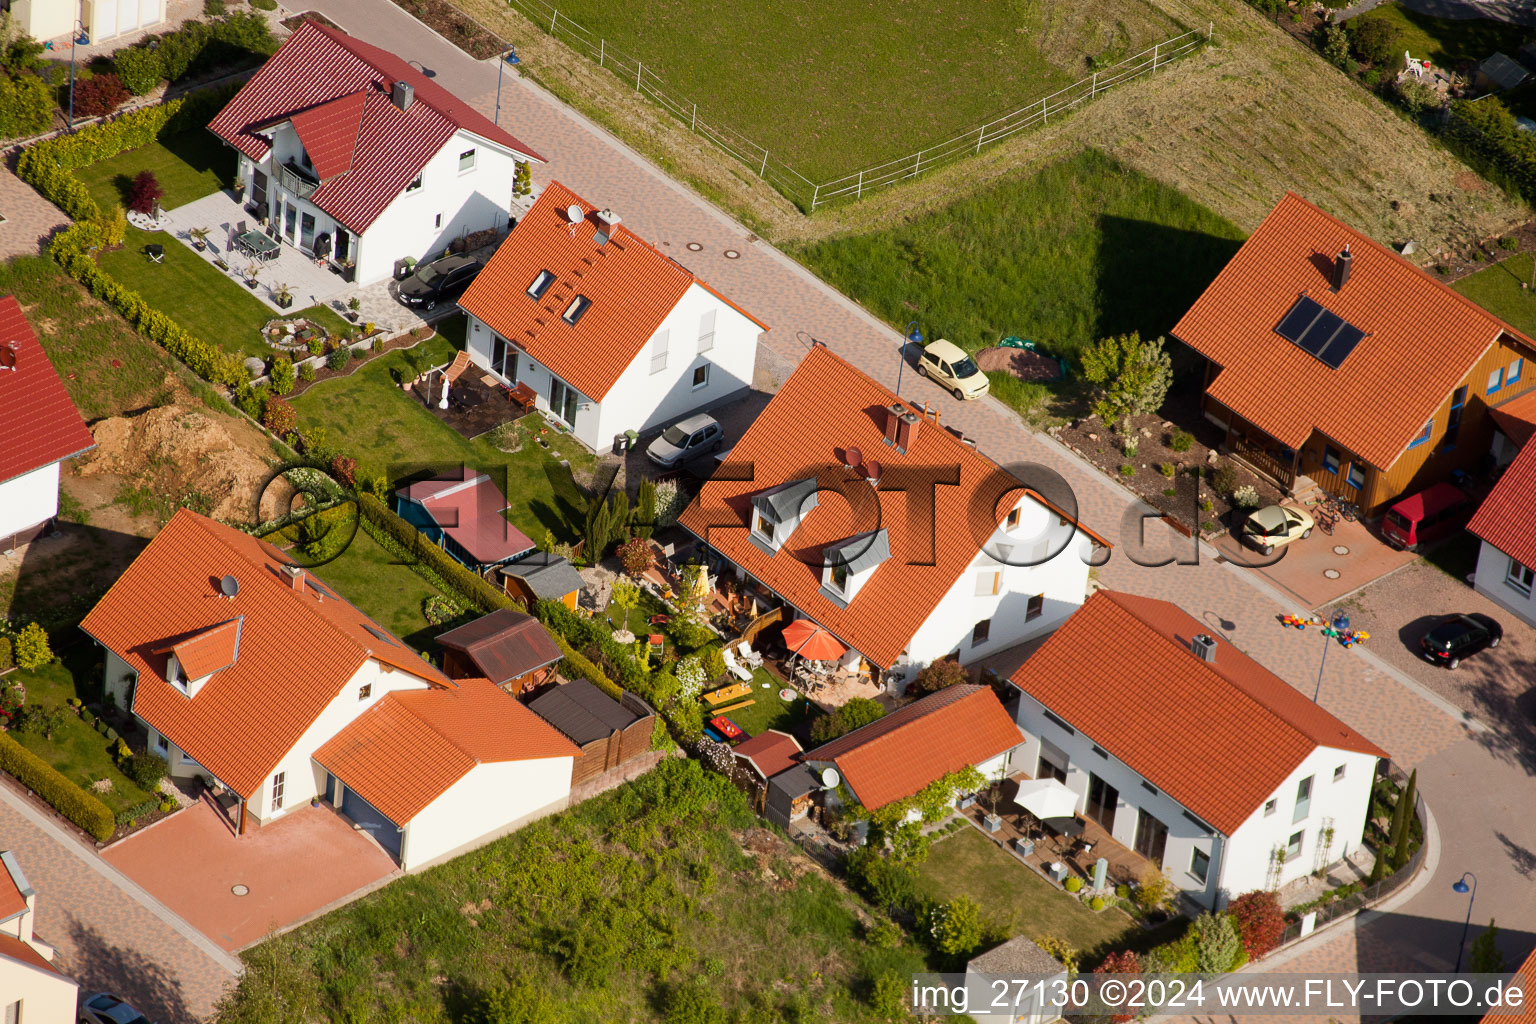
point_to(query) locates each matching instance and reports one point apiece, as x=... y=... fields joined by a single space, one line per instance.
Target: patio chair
x=156 y=253
x=735 y=667
x=748 y=655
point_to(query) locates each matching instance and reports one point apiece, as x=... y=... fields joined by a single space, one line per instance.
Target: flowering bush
x=670 y=502
x=690 y=678
x=1260 y=921
x=1246 y=496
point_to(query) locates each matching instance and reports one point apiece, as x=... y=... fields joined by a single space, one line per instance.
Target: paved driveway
x=290 y=870
x=1323 y=567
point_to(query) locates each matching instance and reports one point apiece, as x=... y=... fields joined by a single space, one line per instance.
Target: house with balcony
x=856 y=510
x=248 y=672
x=610 y=333
x=1187 y=751
x=1505 y=524
x=1331 y=361
x=349 y=153
x=41 y=427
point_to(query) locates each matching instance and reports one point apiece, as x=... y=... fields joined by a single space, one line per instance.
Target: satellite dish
x=574 y=215
x=229 y=586
x=872 y=471
x=852 y=457
x=830 y=779
x=8 y=356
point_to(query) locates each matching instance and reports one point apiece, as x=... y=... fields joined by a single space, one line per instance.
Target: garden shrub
x=438 y=610
x=99 y=95
x=634 y=555
x=31 y=647
x=307 y=372
x=26 y=106
x=1259 y=920
x=144 y=192
x=128 y=817
x=1246 y=496
x=956 y=926
x=1487 y=135
x=1125 y=962
x=57 y=791
x=146 y=769
x=1073 y=884
x=339 y=359
x=283 y=375
x=1181 y=441
x=1219 y=944
x=1375 y=41
x=344 y=470
x=1096 y=904
x=1155 y=891
x=1224 y=478
x=213 y=8
x=1167 y=469
x=139 y=68
x=1133 y=376
x=712 y=658
x=279 y=417
x=1065 y=953
x=938 y=675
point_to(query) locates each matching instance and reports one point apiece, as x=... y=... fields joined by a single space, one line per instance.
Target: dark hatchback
x=1457 y=637
x=442 y=280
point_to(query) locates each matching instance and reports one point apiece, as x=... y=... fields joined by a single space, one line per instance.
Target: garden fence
x=804 y=192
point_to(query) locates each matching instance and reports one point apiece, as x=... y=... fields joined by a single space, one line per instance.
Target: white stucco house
x=32 y=989
x=252 y=674
x=41 y=427
x=609 y=332
x=1189 y=752
x=902 y=541
x=54 y=20
x=355 y=155
x=1505 y=523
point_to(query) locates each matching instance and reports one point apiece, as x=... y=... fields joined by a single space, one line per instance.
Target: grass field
x=1497 y=289
x=833 y=86
x=1449 y=42
x=640 y=905
x=391 y=432
x=188 y=167
x=769 y=712
x=388 y=592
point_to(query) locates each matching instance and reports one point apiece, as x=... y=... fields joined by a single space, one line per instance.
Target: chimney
x=607 y=221
x=295 y=577
x=1204 y=646
x=892 y=417
x=403 y=94
x=906 y=430
x=1341 y=269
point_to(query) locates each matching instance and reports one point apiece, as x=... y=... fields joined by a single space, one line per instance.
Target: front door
x=290 y=221
x=1102 y=801
x=307 y=232
x=562 y=400
x=259 y=189
x=1151 y=837
x=343 y=243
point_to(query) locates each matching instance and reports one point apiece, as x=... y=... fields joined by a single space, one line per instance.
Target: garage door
x=369 y=819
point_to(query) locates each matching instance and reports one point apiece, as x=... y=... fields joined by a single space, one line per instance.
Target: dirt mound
x=182 y=456
x=1020 y=362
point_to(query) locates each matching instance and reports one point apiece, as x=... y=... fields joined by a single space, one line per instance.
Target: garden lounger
x=736 y=669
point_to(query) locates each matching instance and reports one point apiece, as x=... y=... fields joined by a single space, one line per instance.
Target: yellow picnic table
x=727 y=693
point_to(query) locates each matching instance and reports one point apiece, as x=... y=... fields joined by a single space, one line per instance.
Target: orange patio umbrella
x=810 y=641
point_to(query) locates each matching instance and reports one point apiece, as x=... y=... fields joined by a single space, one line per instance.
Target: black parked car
x=1457 y=637
x=439 y=281
x=103 y=1008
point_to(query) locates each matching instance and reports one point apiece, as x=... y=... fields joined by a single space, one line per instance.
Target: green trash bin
x=1014 y=341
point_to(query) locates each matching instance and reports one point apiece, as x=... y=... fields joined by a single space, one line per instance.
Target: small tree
x=1486 y=958
x=283 y=375
x=644 y=519
x=1154 y=892
x=32 y=650
x=625 y=596
x=939 y=675
x=635 y=555
x=1402 y=822
x=599 y=529
x=956 y=926
x=1376 y=41
x=1125 y=962
x=1260 y=921
x=100 y=95
x=113 y=225
x=279 y=417
x=1133 y=376
x=1219 y=944
x=1334 y=44
x=144 y=193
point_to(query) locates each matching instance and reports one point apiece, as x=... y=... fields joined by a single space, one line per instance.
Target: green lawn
x=1449 y=42
x=210 y=304
x=1497 y=289
x=793 y=716
x=1081 y=249
x=602 y=913
x=188 y=167
x=835 y=86
x=387 y=591
x=76 y=749
x=968 y=863
x=392 y=432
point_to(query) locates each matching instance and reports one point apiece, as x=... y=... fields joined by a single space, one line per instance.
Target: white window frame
x=758 y=519
x=1338 y=773
x=578 y=307
x=697 y=383
x=1270 y=806
x=279 y=784
x=659 y=346
x=162 y=744
x=473 y=157
x=1300 y=835
x=707 y=331
x=1011 y=523
x=1519 y=577
x=988 y=582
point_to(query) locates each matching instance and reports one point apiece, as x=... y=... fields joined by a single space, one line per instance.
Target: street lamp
x=915 y=336
x=502 y=60
x=77 y=36
x=1461 y=886
x=1339 y=622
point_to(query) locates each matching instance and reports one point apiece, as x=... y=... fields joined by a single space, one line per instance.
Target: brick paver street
x=1468 y=784
x=109 y=933
x=29 y=218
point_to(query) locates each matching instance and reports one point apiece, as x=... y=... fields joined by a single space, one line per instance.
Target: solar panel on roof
x=1319 y=332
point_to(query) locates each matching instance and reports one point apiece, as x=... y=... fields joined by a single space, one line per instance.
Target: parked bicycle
x=1326 y=520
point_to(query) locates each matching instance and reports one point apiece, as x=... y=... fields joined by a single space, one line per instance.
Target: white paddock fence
x=807 y=194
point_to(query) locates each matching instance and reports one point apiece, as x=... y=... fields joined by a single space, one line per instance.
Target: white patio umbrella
x=1046 y=798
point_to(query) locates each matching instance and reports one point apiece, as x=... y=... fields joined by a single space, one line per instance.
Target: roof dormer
x=777 y=511
x=849 y=564
x=193 y=660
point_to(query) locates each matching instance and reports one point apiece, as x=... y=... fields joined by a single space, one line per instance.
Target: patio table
x=258 y=244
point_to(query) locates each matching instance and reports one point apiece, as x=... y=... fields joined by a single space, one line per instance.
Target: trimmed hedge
x=61 y=794
x=471 y=588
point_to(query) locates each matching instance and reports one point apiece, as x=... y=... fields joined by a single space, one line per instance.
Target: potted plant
x=353 y=305
x=282 y=294
x=252 y=273
x=199 y=238
x=347 y=269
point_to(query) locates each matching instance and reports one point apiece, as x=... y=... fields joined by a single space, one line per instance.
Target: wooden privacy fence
x=804 y=192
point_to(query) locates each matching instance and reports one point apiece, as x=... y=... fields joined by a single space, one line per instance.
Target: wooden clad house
x=1333 y=361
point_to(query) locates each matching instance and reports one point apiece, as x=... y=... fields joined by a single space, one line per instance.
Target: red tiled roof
x=1517 y=418
x=769 y=751
x=12 y=902
x=1507 y=517
x=210 y=651
x=632 y=287
x=38 y=421
x=468 y=507
x=329 y=133
x=825 y=407
x=406 y=750
x=303 y=82
x=298 y=647
x=1218 y=737
x=11 y=946
x=1525 y=980
x=1392 y=383
x=896 y=756
x=503 y=645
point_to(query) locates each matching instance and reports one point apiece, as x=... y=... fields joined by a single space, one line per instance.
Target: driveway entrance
x=238 y=889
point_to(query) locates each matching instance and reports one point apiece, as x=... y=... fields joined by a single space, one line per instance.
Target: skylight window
x=579 y=305
x=541 y=284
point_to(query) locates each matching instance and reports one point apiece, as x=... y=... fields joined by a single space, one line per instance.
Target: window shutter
x=659 y=351
x=707 y=331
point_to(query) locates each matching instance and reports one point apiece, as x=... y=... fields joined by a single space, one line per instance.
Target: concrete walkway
x=110 y=933
x=1475 y=786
